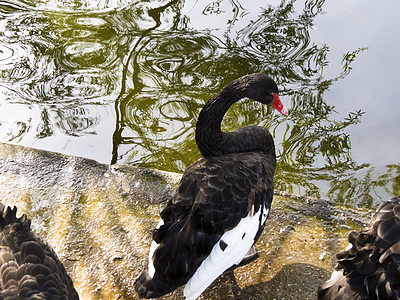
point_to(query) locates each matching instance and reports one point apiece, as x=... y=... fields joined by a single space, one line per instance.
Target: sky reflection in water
x=123 y=82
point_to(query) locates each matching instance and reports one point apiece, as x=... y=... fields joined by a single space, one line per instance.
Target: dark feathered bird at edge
x=29 y=268
x=370 y=267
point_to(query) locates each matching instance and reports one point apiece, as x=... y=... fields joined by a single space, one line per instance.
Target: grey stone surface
x=99 y=220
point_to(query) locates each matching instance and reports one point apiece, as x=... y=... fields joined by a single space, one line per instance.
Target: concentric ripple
x=5 y=53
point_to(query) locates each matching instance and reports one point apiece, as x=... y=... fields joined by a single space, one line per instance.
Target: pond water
x=123 y=81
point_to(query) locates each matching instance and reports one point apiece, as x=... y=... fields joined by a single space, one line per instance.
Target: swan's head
x=263 y=89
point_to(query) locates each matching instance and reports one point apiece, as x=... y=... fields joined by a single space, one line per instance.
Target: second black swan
x=370 y=267
x=222 y=201
x=29 y=268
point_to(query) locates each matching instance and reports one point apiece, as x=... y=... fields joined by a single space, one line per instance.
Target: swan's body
x=29 y=268
x=222 y=201
x=370 y=267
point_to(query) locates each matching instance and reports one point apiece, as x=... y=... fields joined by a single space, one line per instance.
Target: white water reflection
x=373 y=85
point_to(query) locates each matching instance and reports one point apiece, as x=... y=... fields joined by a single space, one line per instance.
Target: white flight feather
x=239 y=241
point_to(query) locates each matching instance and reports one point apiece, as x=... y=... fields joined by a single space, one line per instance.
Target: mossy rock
x=99 y=219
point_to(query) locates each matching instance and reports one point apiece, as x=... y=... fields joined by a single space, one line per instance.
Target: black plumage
x=29 y=267
x=371 y=268
x=232 y=181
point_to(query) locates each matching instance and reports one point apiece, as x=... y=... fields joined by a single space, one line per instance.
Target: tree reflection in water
x=156 y=69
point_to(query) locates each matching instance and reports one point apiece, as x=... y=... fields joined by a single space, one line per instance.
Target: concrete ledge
x=99 y=220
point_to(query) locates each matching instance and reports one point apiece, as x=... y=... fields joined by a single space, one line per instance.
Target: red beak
x=277 y=104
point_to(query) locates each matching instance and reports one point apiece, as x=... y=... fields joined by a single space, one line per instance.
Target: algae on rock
x=99 y=219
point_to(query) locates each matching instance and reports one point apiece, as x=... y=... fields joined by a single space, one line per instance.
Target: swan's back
x=371 y=268
x=29 y=268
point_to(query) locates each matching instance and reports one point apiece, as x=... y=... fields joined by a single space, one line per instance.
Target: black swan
x=222 y=201
x=370 y=267
x=29 y=268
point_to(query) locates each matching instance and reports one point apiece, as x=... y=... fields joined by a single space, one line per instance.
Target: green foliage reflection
x=155 y=69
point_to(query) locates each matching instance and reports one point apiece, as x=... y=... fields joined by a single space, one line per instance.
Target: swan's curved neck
x=211 y=141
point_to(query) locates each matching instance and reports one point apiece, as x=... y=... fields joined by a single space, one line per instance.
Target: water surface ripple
x=123 y=82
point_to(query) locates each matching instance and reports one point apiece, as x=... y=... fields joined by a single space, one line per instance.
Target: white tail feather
x=238 y=240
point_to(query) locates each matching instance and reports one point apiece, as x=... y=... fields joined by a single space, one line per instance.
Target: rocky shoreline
x=99 y=220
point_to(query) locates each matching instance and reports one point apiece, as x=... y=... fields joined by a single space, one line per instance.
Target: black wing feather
x=371 y=268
